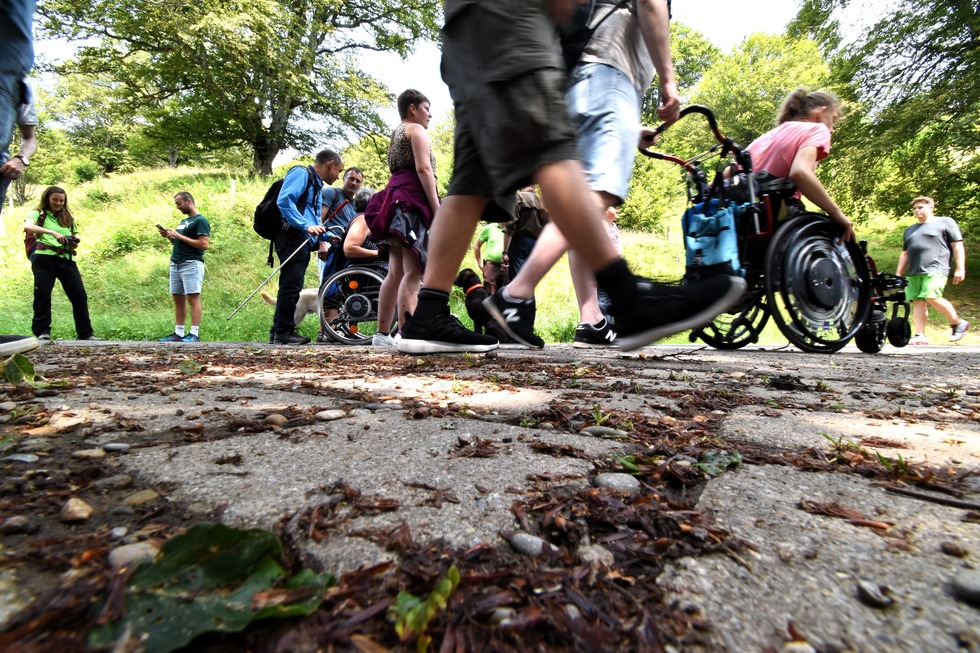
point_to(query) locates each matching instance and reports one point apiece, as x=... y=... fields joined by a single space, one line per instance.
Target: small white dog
x=305 y=306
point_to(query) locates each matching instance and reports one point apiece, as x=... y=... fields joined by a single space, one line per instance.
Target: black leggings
x=47 y=269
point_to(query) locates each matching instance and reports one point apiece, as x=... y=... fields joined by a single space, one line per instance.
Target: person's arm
x=903 y=263
x=654 y=17
x=357 y=234
x=423 y=164
x=476 y=253
x=801 y=172
x=201 y=242
x=31 y=225
x=292 y=189
x=959 y=259
x=14 y=167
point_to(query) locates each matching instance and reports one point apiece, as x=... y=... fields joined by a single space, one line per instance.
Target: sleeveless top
x=400 y=154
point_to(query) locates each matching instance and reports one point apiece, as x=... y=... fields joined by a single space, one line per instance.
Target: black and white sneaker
x=10 y=345
x=589 y=335
x=442 y=334
x=515 y=317
x=658 y=311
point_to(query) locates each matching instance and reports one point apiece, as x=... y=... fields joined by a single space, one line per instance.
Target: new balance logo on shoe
x=511 y=315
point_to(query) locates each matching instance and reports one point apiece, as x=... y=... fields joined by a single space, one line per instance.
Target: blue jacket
x=292 y=189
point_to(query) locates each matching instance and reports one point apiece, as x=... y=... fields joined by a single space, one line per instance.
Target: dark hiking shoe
x=291 y=339
x=588 y=335
x=442 y=334
x=658 y=311
x=515 y=317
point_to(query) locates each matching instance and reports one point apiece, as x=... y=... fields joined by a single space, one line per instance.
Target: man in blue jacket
x=300 y=203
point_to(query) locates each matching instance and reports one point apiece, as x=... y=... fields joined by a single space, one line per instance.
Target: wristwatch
x=23 y=158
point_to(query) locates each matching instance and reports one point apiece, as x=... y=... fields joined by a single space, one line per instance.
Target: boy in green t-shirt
x=191 y=238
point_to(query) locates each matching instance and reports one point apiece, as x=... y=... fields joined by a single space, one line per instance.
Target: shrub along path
x=678 y=498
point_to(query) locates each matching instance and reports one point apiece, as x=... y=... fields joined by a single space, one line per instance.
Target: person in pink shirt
x=800 y=140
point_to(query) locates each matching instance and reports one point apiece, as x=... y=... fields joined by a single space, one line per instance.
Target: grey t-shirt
x=618 y=42
x=930 y=244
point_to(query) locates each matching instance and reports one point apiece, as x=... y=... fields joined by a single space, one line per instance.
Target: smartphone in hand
x=161 y=227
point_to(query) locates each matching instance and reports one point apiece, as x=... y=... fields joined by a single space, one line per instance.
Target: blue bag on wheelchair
x=711 y=240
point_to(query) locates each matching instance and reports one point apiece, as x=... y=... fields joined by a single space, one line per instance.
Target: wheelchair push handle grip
x=741 y=156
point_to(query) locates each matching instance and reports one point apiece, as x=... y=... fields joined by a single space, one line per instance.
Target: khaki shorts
x=508 y=88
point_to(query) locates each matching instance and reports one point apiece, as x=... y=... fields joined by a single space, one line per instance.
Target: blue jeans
x=290 y=279
x=605 y=109
x=518 y=253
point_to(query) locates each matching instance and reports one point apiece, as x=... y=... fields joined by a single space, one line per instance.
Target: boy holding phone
x=190 y=238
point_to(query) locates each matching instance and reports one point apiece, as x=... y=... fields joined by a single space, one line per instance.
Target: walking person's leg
x=44 y=268
x=291 y=278
x=71 y=281
x=408 y=289
x=388 y=295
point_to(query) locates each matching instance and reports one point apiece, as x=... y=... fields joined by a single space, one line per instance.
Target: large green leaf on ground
x=211 y=578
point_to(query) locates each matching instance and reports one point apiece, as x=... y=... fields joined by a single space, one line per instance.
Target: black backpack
x=268 y=221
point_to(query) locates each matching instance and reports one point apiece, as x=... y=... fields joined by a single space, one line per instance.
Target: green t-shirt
x=492 y=237
x=51 y=222
x=192 y=227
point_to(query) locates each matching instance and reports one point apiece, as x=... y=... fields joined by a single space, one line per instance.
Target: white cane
x=267 y=279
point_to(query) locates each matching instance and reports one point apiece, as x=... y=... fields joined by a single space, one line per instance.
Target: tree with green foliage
x=263 y=74
x=916 y=75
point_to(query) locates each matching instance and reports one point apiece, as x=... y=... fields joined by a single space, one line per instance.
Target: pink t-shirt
x=775 y=150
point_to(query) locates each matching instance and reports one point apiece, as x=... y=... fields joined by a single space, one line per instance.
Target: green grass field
x=124 y=263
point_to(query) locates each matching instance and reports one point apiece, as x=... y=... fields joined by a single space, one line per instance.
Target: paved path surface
x=821 y=535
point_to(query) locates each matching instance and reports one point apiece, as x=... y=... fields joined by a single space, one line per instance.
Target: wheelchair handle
x=741 y=156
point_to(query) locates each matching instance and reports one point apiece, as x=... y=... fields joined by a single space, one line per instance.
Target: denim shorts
x=605 y=109
x=186 y=278
x=925 y=286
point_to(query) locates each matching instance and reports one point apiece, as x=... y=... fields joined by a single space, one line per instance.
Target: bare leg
x=452 y=230
x=585 y=290
x=408 y=289
x=548 y=250
x=389 y=290
x=944 y=308
x=180 y=309
x=197 y=309
x=919 y=316
x=573 y=210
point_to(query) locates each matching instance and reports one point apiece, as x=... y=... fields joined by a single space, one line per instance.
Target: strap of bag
x=335 y=212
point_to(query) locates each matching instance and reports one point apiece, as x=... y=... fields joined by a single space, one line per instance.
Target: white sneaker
x=382 y=340
x=959 y=331
x=918 y=339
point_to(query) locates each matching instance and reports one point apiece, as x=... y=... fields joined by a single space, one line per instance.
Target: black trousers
x=291 y=279
x=47 y=269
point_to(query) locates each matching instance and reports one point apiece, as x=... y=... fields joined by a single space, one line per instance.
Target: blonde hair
x=801 y=101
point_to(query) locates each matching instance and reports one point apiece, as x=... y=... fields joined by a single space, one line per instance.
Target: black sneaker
x=291 y=339
x=516 y=317
x=658 y=311
x=442 y=334
x=588 y=335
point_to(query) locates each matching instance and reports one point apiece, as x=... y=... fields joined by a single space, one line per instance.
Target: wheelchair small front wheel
x=899 y=331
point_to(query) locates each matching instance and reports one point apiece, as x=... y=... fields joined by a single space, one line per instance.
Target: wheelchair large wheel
x=348 y=305
x=819 y=291
x=739 y=327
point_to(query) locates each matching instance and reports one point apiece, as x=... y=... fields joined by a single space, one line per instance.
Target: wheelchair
x=821 y=293
x=348 y=304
